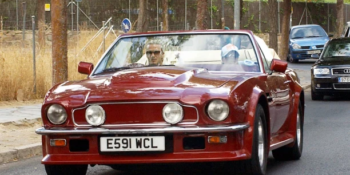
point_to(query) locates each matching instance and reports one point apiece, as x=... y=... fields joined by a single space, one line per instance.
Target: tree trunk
x=165 y=15
x=222 y=7
x=272 y=8
x=142 y=16
x=340 y=17
x=287 y=4
x=41 y=22
x=201 y=14
x=59 y=41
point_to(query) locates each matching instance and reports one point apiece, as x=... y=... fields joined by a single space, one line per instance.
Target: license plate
x=343 y=79
x=124 y=144
x=313 y=51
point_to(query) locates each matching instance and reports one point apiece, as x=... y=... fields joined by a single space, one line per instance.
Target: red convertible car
x=176 y=97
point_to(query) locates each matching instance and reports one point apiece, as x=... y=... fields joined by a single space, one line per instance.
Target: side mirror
x=330 y=35
x=85 y=68
x=278 y=65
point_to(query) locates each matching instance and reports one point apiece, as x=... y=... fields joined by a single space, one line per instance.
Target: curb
x=306 y=86
x=21 y=153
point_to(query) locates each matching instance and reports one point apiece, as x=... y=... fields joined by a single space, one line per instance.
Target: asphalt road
x=326 y=145
x=303 y=64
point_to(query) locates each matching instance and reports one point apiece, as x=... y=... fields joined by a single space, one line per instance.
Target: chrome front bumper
x=171 y=129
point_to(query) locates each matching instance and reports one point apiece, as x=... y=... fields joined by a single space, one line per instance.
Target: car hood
x=161 y=83
x=310 y=41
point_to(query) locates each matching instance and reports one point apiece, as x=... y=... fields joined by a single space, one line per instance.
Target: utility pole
x=59 y=41
x=237 y=14
x=24 y=19
x=186 y=15
x=16 y=14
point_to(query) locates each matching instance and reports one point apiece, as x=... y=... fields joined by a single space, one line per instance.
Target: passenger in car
x=155 y=54
x=229 y=54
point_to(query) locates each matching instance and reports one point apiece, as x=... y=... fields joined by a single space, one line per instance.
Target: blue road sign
x=126 y=25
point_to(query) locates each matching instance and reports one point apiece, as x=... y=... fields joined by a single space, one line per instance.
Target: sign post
x=126 y=25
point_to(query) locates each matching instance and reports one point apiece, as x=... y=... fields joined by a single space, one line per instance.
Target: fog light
x=318 y=85
x=217 y=139
x=57 y=142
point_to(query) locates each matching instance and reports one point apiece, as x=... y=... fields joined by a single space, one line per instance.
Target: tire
x=294 y=152
x=316 y=96
x=66 y=169
x=291 y=59
x=257 y=164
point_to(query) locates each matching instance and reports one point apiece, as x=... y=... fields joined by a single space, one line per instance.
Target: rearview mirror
x=278 y=65
x=85 y=68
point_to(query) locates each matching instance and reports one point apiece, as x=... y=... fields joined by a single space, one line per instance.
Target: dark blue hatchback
x=306 y=41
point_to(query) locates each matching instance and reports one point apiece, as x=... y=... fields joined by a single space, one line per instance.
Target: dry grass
x=16 y=64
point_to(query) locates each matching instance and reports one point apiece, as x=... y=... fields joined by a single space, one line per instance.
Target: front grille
x=341 y=86
x=305 y=47
x=319 y=46
x=341 y=71
x=149 y=113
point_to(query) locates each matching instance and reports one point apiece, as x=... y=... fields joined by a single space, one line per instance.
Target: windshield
x=229 y=52
x=337 y=50
x=308 y=32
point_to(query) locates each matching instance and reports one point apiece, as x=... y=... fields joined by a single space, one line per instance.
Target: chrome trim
x=340 y=88
x=339 y=68
x=279 y=144
x=316 y=76
x=140 y=124
x=322 y=88
x=171 y=129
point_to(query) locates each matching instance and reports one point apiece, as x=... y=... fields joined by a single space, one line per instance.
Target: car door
x=279 y=96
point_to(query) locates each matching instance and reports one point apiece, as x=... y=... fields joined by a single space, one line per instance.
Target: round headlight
x=172 y=113
x=218 y=110
x=56 y=114
x=95 y=115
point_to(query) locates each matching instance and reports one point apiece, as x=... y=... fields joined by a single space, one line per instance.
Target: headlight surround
x=296 y=46
x=218 y=110
x=321 y=71
x=56 y=114
x=172 y=113
x=95 y=115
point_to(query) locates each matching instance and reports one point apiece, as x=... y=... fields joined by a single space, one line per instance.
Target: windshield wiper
x=297 y=37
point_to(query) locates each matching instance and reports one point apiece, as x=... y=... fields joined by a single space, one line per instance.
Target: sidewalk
x=19 y=121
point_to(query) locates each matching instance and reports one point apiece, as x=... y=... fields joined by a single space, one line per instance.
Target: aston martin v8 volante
x=176 y=97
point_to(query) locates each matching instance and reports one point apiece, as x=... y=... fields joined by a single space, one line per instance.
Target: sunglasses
x=153 y=52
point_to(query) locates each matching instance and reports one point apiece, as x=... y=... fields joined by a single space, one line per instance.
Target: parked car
x=330 y=75
x=194 y=106
x=306 y=41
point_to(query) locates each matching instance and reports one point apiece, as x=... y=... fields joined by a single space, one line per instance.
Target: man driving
x=229 y=54
x=155 y=54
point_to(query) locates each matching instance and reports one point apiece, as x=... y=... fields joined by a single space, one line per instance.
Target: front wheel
x=257 y=164
x=291 y=59
x=294 y=152
x=66 y=169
